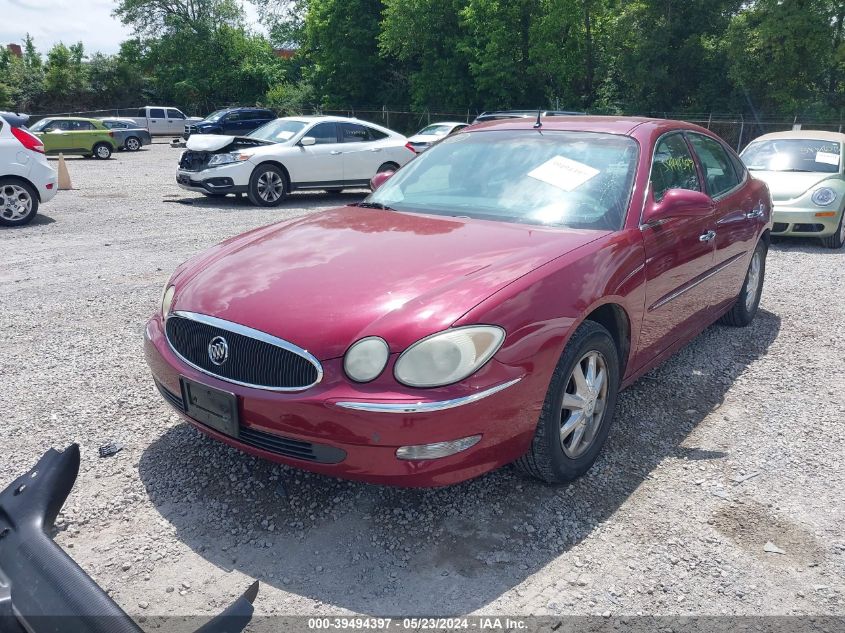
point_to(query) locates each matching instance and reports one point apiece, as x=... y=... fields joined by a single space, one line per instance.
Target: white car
x=26 y=178
x=289 y=154
x=430 y=134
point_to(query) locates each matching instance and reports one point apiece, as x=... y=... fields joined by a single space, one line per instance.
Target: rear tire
x=578 y=410
x=267 y=186
x=133 y=144
x=748 y=301
x=837 y=239
x=18 y=202
x=102 y=151
x=387 y=167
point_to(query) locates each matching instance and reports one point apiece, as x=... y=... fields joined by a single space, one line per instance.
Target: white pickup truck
x=161 y=121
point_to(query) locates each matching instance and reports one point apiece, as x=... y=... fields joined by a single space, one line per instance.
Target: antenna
x=539 y=123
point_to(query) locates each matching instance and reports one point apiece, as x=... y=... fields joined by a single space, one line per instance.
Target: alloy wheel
x=752 y=285
x=133 y=145
x=270 y=186
x=103 y=151
x=15 y=202
x=584 y=404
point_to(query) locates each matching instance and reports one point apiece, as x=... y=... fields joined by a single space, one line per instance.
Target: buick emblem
x=218 y=350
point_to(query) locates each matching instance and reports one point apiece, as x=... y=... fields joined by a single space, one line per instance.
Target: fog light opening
x=438 y=449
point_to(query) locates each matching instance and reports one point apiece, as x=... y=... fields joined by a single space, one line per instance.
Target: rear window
x=156 y=113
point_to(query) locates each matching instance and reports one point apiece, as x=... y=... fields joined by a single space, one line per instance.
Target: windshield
x=435 y=130
x=552 y=178
x=793 y=154
x=278 y=131
x=37 y=127
x=214 y=116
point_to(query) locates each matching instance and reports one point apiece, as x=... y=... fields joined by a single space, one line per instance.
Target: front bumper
x=224 y=179
x=805 y=222
x=350 y=435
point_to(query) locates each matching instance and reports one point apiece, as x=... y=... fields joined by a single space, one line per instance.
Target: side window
x=458 y=128
x=718 y=167
x=174 y=114
x=324 y=133
x=673 y=167
x=267 y=114
x=375 y=135
x=156 y=113
x=82 y=125
x=353 y=133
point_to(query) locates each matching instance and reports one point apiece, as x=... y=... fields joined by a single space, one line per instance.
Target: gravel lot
x=735 y=442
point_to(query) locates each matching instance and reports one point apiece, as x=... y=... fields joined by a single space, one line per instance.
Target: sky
x=69 y=21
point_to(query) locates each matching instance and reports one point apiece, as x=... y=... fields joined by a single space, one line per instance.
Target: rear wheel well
x=614 y=319
x=25 y=182
x=767 y=237
x=280 y=166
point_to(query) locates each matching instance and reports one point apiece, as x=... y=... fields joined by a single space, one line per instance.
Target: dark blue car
x=231 y=121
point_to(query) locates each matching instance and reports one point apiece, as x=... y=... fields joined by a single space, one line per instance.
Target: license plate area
x=213 y=407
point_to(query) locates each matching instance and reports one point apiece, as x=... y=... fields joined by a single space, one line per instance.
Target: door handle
x=707 y=237
x=334 y=152
x=375 y=149
x=757 y=212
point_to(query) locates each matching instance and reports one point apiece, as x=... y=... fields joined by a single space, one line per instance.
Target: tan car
x=804 y=171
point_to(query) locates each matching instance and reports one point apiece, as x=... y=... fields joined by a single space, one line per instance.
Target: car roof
x=580 y=123
x=70 y=118
x=821 y=135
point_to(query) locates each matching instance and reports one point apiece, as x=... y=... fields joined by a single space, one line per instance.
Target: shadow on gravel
x=306 y=200
x=809 y=245
x=380 y=550
x=39 y=218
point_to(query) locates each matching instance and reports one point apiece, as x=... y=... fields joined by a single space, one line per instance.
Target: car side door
x=739 y=215
x=57 y=136
x=679 y=254
x=175 y=121
x=363 y=153
x=156 y=121
x=321 y=164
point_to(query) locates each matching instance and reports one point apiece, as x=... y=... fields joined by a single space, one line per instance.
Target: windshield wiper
x=373 y=205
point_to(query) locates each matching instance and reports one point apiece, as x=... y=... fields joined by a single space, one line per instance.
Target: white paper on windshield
x=284 y=135
x=563 y=173
x=828 y=158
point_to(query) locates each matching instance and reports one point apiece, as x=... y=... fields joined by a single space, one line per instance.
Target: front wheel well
x=615 y=320
x=276 y=163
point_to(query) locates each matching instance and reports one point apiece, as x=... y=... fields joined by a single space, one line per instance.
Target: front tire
x=18 y=202
x=745 y=309
x=267 y=186
x=578 y=409
x=102 y=151
x=132 y=144
x=837 y=239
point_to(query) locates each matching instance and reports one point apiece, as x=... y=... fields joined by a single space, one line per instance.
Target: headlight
x=448 y=357
x=366 y=359
x=166 y=300
x=226 y=159
x=824 y=196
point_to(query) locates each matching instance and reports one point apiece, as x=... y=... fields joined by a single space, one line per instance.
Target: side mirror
x=380 y=178
x=678 y=203
x=305 y=141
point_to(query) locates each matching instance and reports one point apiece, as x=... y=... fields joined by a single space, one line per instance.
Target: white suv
x=26 y=178
x=288 y=154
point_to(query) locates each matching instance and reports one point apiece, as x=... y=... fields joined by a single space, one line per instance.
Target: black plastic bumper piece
x=42 y=590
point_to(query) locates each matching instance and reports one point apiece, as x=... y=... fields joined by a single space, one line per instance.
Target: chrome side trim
x=248 y=332
x=677 y=293
x=425 y=407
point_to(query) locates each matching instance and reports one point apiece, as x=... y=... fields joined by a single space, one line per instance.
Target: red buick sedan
x=483 y=306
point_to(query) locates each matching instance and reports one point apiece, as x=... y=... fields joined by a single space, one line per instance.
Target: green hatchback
x=74 y=135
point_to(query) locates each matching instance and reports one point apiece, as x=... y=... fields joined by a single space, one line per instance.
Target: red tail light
x=28 y=140
x=410 y=147
x=111 y=133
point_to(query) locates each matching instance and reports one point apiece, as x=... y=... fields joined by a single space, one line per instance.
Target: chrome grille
x=254 y=358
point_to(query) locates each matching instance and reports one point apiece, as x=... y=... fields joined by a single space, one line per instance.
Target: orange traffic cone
x=64 y=176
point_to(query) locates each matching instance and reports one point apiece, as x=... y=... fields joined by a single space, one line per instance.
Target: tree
x=156 y=17
x=345 y=68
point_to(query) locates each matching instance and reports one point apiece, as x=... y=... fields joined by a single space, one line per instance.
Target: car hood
x=326 y=280
x=208 y=142
x=424 y=138
x=788 y=185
